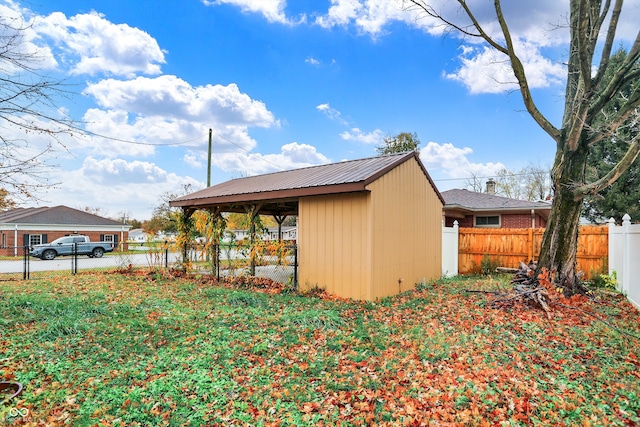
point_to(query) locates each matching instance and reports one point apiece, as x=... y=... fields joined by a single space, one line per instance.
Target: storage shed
x=367 y=228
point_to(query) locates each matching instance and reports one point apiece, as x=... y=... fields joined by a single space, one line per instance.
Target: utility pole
x=209 y=162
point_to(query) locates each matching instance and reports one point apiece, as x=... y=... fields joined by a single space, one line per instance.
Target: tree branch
x=483 y=34
x=429 y=10
x=518 y=70
x=629 y=108
x=630 y=156
x=620 y=78
x=583 y=45
x=611 y=33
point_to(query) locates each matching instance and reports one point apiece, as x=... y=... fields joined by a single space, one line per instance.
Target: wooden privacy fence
x=479 y=248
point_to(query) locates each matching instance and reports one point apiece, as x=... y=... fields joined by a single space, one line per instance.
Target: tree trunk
x=560 y=240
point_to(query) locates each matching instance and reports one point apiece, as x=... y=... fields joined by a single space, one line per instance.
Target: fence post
x=74 y=259
x=217 y=248
x=626 y=253
x=611 y=224
x=185 y=260
x=450 y=250
x=456 y=229
x=295 y=266
x=25 y=269
x=166 y=257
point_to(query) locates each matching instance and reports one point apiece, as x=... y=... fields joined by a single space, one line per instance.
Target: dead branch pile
x=528 y=288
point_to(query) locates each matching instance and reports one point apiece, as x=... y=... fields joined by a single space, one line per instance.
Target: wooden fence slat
x=508 y=246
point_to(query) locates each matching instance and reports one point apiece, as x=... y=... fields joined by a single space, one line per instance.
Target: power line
x=485 y=177
x=249 y=152
x=134 y=142
x=85 y=131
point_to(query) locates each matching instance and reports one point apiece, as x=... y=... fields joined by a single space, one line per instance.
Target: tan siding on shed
x=406 y=230
x=334 y=244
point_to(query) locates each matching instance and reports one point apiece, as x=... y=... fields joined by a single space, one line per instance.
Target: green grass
x=126 y=350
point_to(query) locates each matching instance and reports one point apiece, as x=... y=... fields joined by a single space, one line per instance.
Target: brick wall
x=7 y=237
x=467 y=221
x=506 y=221
x=521 y=221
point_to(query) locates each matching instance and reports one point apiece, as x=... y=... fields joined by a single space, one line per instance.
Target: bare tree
x=530 y=183
x=474 y=183
x=96 y=210
x=592 y=26
x=537 y=183
x=27 y=112
x=509 y=184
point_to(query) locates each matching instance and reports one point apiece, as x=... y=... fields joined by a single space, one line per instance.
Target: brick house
x=32 y=226
x=473 y=209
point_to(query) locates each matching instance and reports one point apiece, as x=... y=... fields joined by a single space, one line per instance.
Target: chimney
x=491 y=186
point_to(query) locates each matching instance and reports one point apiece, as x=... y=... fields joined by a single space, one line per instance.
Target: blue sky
x=283 y=84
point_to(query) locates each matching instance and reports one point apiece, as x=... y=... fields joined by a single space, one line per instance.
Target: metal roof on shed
x=334 y=178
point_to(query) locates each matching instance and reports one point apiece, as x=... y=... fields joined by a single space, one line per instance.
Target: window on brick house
x=488 y=221
x=35 y=239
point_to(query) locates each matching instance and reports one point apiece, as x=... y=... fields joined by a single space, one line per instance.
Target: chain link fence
x=276 y=261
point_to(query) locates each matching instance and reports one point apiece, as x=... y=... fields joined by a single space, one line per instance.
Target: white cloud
x=118 y=186
x=272 y=10
x=341 y=12
x=356 y=134
x=116 y=124
x=368 y=16
x=331 y=112
x=533 y=26
x=192 y=159
x=291 y=156
x=453 y=162
x=91 y=45
x=371 y=16
x=482 y=70
x=20 y=25
x=313 y=61
x=167 y=110
x=53 y=141
x=118 y=172
x=170 y=96
x=485 y=70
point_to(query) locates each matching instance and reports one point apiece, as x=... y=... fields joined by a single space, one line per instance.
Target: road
x=14 y=268
x=86 y=263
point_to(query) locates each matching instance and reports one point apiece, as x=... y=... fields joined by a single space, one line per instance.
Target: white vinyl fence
x=624 y=249
x=450 y=250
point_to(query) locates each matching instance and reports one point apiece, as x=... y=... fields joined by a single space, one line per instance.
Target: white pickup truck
x=70 y=245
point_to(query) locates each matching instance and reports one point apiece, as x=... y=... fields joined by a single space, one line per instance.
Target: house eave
x=540 y=210
x=61 y=227
x=278 y=196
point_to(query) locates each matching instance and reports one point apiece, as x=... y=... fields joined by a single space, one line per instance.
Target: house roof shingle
x=58 y=215
x=334 y=178
x=474 y=201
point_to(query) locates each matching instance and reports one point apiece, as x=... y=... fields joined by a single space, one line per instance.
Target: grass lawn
x=111 y=350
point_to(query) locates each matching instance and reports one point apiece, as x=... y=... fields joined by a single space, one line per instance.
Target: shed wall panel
x=406 y=230
x=334 y=244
